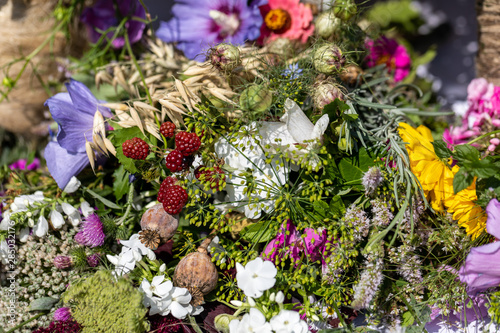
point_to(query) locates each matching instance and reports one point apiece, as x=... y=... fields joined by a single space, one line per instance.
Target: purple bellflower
x=199 y=24
x=104 y=15
x=74 y=112
x=482 y=265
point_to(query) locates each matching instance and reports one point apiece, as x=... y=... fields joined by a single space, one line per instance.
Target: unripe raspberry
x=167 y=129
x=136 y=149
x=187 y=143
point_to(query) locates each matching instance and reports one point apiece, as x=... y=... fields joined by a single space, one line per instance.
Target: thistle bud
x=327 y=24
x=256 y=98
x=345 y=9
x=222 y=321
x=325 y=93
x=328 y=59
x=224 y=57
x=62 y=262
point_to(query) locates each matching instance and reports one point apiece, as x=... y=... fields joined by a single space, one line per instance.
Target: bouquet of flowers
x=256 y=165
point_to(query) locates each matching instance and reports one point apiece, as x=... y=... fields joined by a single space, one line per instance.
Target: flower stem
x=193 y=322
x=483 y=136
x=134 y=60
x=25 y=322
x=130 y=199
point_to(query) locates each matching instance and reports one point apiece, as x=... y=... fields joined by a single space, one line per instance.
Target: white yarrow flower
x=254 y=321
x=256 y=277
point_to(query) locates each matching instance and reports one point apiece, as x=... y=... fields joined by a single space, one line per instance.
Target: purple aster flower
x=482 y=266
x=94 y=259
x=22 y=164
x=62 y=314
x=199 y=24
x=62 y=262
x=91 y=234
x=74 y=112
x=104 y=15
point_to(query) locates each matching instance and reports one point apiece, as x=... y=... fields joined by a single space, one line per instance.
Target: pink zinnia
x=285 y=19
x=91 y=233
x=389 y=52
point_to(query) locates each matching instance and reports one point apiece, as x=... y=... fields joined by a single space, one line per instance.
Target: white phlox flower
x=156 y=287
x=136 y=245
x=254 y=321
x=287 y=321
x=256 y=277
x=124 y=262
x=180 y=307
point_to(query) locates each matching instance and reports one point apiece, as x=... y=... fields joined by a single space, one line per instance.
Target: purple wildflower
x=22 y=164
x=199 y=24
x=382 y=214
x=62 y=314
x=480 y=271
x=94 y=259
x=91 y=233
x=62 y=262
x=74 y=112
x=103 y=16
x=356 y=216
x=372 y=179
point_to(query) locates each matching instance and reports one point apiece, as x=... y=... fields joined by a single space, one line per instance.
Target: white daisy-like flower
x=287 y=321
x=254 y=321
x=180 y=307
x=256 y=277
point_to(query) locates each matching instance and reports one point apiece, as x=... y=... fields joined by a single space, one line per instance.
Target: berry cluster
x=167 y=129
x=181 y=157
x=172 y=196
x=136 y=149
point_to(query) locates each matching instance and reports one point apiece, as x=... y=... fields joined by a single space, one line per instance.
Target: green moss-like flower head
x=101 y=303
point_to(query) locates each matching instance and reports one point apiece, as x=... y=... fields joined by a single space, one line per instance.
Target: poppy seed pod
x=157 y=226
x=350 y=74
x=197 y=273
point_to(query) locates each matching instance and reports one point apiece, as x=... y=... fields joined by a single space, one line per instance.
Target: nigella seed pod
x=224 y=57
x=328 y=59
x=345 y=9
x=157 y=226
x=327 y=24
x=325 y=93
x=256 y=98
x=197 y=273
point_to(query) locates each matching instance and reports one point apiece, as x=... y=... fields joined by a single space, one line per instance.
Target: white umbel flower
x=256 y=277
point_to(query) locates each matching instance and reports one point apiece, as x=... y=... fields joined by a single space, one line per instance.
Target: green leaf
x=441 y=149
x=120 y=184
x=335 y=108
x=485 y=168
x=408 y=319
x=349 y=116
x=118 y=138
x=465 y=154
x=462 y=180
x=43 y=304
x=321 y=208
x=105 y=201
x=352 y=168
x=337 y=207
x=257 y=232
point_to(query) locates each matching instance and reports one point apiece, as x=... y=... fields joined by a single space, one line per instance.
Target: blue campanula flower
x=74 y=113
x=199 y=24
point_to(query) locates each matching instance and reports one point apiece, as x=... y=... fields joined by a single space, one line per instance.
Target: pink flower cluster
x=387 y=51
x=482 y=116
x=290 y=242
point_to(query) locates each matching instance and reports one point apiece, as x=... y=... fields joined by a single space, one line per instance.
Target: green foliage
x=102 y=304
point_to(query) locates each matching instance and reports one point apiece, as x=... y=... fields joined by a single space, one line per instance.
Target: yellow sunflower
x=434 y=174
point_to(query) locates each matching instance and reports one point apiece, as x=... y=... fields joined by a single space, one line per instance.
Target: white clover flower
x=180 y=306
x=254 y=321
x=256 y=277
x=42 y=227
x=73 y=214
x=73 y=185
x=56 y=219
x=287 y=321
x=156 y=287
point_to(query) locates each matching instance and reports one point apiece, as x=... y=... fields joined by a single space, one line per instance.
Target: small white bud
x=163 y=268
x=280 y=297
x=236 y=303
x=315 y=317
x=251 y=302
x=31 y=223
x=272 y=297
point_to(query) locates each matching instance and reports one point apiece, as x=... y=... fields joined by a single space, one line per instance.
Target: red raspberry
x=212 y=175
x=169 y=181
x=167 y=129
x=174 y=199
x=187 y=143
x=175 y=161
x=136 y=149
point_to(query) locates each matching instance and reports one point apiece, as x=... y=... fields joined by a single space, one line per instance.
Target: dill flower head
x=91 y=233
x=434 y=174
